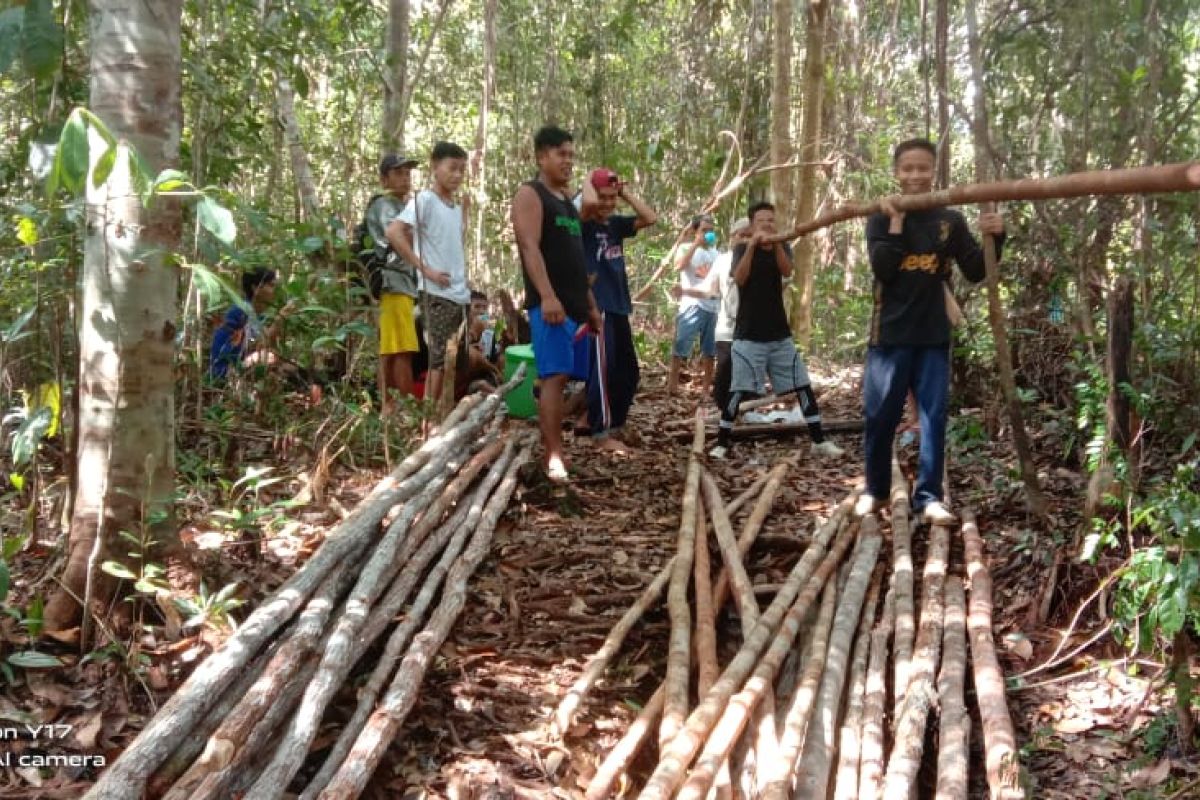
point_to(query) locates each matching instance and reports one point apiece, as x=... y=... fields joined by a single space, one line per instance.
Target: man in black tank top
x=560 y=304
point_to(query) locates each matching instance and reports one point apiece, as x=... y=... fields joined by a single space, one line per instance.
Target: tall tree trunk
x=1143 y=244
x=753 y=39
x=481 y=134
x=1033 y=492
x=1149 y=146
x=924 y=11
x=781 y=107
x=418 y=73
x=125 y=465
x=941 y=45
x=1120 y=349
x=395 y=71
x=306 y=188
x=752 y=109
x=810 y=140
x=550 y=97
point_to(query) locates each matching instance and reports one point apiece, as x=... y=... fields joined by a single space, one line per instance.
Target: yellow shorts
x=397 y=328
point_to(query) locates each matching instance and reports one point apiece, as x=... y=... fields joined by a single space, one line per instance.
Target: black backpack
x=370 y=262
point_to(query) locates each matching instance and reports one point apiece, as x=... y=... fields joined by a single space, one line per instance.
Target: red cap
x=602 y=177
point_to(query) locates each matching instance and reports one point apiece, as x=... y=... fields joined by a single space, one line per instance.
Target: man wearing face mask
x=697 y=315
x=613 y=375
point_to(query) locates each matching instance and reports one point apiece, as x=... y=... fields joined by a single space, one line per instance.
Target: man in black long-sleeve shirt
x=909 y=347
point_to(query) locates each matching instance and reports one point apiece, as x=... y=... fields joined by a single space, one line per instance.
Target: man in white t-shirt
x=721 y=282
x=696 y=318
x=429 y=233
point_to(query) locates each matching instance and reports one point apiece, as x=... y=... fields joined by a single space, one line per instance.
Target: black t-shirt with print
x=562 y=250
x=910 y=270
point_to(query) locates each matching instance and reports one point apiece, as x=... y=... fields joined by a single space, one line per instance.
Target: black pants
x=723 y=376
x=613 y=375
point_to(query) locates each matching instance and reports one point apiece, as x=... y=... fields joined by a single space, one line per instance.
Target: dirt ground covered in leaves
x=567 y=562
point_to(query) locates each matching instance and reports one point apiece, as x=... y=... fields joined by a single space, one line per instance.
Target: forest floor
x=567 y=562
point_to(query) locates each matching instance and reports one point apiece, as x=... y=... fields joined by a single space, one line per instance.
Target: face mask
x=710 y=238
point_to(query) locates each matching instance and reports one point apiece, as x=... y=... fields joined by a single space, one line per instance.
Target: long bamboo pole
x=999 y=739
x=618 y=759
x=815 y=564
x=675 y=707
x=996 y=315
x=1181 y=177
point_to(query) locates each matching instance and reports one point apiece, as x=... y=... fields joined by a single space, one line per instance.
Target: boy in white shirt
x=433 y=222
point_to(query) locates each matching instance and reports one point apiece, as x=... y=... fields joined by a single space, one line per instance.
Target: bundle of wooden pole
x=837 y=732
x=243 y=722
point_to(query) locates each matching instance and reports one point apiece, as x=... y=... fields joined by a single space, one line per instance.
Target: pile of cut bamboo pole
x=243 y=722
x=832 y=687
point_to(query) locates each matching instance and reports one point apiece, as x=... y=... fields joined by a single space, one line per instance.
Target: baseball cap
x=391 y=161
x=740 y=224
x=602 y=177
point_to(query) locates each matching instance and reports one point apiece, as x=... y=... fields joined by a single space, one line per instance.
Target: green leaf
x=118 y=570
x=226 y=593
x=41 y=40
x=300 y=82
x=27 y=232
x=169 y=180
x=32 y=659
x=71 y=158
x=321 y=342
x=3 y=581
x=27 y=438
x=13 y=332
x=12 y=545
x=104 y=166
x=311 y=244
x=34 y=616
x=217 y=220
x=140 y=169
x=11 y=20
x=17 y=480
x=212 y=285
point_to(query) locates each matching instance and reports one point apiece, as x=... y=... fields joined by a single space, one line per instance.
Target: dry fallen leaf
x=86 y=731
x=1149 y=776
x=32 y=775
x=1075 y=725
x=1019 y=645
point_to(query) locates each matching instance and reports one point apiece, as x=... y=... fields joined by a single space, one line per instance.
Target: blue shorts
x=692 y=323
x=560 y=349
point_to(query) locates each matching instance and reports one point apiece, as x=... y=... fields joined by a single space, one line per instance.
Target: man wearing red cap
x=613 y=374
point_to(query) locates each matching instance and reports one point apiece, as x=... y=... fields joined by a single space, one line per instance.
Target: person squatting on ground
x=726 y=291
x=550 y=241
x=696 y=319
x=429 y=234
x=397 y=325
x=242 y=340
x=762 y=339
x=613 y=374
x=480 y=372
x=909 y=342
